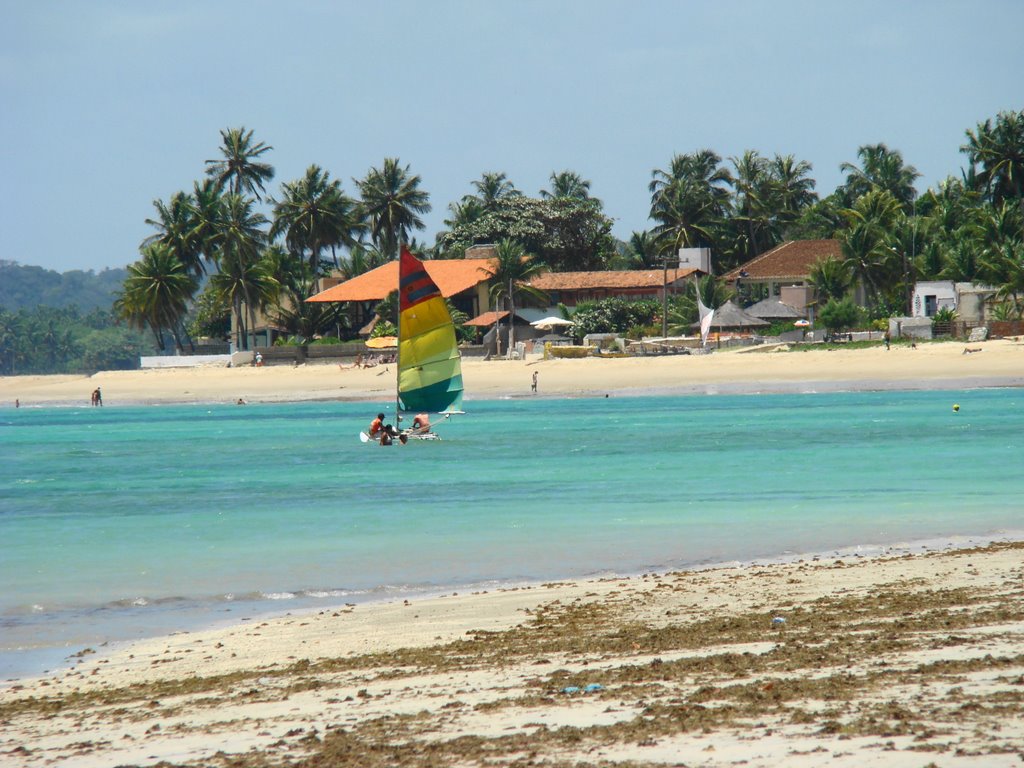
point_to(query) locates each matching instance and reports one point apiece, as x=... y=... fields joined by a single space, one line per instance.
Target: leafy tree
x=512 y=271
x=392 y=203
x=564 y=233
x=116 y=349
x=838 y=315
x=211 y=316
x=240 y=169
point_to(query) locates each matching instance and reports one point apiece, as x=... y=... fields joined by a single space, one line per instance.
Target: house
x=786 y=265
x=463 y=281
x=572 y=288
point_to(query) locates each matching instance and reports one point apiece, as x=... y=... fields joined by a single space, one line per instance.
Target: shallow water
x=123 y=522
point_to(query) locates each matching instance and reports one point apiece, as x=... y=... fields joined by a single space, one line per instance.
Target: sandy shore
x=900 y=660
x=930 y=366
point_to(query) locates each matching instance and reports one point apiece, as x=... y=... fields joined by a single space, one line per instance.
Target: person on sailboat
x=420 y=424
x=376 y=427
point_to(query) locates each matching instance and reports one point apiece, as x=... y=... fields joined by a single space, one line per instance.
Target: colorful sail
x=429 y=366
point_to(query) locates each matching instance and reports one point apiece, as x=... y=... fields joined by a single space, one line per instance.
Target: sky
x=108 y=105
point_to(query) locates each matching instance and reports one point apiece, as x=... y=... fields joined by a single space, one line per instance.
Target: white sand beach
x=912 y=658
x=929 y=366
x=906 y=660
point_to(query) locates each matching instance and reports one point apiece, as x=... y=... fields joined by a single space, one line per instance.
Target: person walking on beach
x=533 y=386
x=97 y=397
x=888 y=339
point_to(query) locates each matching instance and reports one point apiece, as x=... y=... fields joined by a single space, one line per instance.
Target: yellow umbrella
x=383 y=342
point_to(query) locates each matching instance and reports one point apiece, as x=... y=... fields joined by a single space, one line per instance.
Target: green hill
x=25 y=287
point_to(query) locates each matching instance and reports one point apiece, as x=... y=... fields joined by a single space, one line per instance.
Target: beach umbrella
x=802 y=323
x=550 y=323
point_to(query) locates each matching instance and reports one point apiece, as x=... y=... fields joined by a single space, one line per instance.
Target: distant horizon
x=109 y=107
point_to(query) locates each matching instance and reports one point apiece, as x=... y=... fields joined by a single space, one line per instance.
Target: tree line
x=213 y=248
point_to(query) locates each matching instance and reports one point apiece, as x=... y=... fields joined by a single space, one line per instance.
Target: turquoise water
x=123 y=522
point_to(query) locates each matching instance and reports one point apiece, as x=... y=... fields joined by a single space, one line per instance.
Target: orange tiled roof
x=633 y=278
x=486 y=319
x=791 y=260
x=452 y=276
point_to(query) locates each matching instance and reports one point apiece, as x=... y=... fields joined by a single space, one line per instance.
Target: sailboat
x=429 y=364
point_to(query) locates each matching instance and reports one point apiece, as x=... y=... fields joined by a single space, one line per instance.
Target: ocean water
x=121 y=522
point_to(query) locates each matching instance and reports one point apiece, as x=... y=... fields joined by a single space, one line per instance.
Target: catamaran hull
x=365 y=438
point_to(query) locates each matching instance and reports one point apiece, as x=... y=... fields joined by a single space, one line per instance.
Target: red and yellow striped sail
x=429 y=365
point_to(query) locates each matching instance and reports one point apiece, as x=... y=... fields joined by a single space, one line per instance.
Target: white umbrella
x=550 y=323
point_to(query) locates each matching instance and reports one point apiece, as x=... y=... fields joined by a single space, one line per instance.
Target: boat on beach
x=428 y=362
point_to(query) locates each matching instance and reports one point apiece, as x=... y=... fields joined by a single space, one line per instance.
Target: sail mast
x=398 y=342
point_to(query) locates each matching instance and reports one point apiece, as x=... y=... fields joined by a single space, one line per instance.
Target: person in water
x=420 y=424
x=385 y=433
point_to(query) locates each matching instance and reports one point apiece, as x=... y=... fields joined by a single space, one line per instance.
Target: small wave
x=278 y=595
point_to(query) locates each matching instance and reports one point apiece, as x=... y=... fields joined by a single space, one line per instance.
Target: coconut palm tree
x=314 y=213
x=240 y=170
x=175 y=223
x=510 y=278
x=689 y=200
x=795 y=187
x=207 y=214
x=391 y=204
x=831 y=279
x=491 y=188
x=754 y=204
x=157 y=292
x=567 y=184
x=243 y=277
x=880 y=168
x=996 y=153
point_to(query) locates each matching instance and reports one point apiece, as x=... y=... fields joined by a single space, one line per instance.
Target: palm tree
x=492 y=187
x=567 y=184
x=392 y=203
x=830 y=278
x=996 y=153
x=754 y=203
x=157 y=292
x=207 y=215
x=795 y=187
x=314 y=214
x=880 y=168
x=240 y=169
x=689 y=199
x=869 y=244
x=175 y=223
x=512 y=270
x=1003 y=266
x=242 y=278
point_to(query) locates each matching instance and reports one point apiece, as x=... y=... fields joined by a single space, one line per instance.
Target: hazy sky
x=106 y=106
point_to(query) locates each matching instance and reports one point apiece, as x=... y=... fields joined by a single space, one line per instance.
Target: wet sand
x=912 y=658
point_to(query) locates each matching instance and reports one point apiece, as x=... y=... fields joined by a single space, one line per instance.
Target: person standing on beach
x=97 y=397
x=533 y=386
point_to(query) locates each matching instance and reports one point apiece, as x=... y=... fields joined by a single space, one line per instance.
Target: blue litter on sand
x=593 y=688
x=571 y=689
x=778 y=620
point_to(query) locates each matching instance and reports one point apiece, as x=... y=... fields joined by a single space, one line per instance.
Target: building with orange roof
x=463 y=281
x=784 y=272
x=572 y=288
